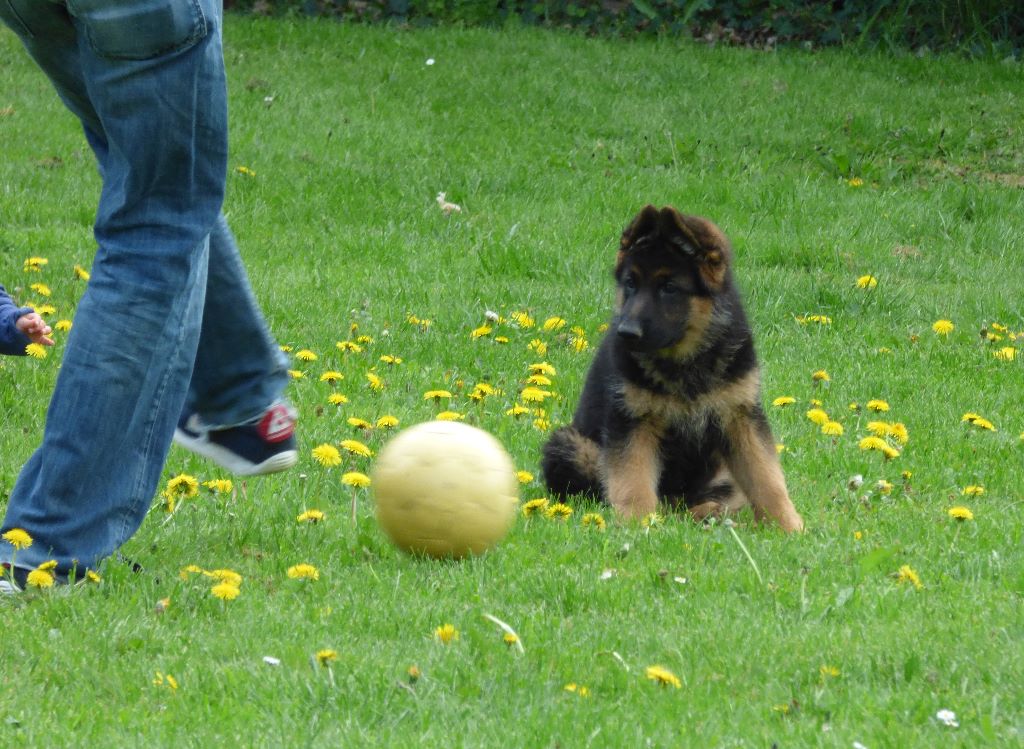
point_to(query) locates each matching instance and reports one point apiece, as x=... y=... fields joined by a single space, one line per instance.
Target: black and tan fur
x=671 y=408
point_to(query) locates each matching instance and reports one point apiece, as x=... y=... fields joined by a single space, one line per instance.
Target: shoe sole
x=228 y=460
x=8 y=588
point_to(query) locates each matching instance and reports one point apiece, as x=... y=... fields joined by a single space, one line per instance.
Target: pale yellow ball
x=445 y=489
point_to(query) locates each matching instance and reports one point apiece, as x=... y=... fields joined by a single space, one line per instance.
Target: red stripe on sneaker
x=277 y=424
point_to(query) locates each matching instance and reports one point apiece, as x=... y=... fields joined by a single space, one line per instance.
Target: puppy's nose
x=630 y=330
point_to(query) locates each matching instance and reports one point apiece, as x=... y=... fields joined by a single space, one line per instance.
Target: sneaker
x=264 y=446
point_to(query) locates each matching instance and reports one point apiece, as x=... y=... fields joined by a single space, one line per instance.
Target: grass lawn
x=823 y=168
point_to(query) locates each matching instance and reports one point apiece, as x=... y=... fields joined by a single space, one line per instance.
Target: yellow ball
x=445 y=489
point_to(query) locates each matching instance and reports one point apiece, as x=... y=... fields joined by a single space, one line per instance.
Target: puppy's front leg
x=754 y=464
x=632 y=469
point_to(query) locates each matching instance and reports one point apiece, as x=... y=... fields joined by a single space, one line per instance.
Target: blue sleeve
x=12 y=340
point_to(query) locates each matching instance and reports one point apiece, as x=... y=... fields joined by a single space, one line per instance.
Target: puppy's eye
x=670 y=289
x=629 y=283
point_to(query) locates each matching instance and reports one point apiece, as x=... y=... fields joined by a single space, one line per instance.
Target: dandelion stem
x=746 y=553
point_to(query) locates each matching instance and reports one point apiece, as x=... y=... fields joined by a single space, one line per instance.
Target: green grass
x=551 y=143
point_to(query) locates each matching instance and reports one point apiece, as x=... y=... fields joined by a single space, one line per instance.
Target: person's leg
x=240 y=370
x=235 y=414
x=153 y=73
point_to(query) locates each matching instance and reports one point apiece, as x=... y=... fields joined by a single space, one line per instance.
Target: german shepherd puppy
x=671 y=407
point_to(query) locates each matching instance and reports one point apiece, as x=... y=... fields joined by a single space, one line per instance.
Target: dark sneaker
x=264 y=446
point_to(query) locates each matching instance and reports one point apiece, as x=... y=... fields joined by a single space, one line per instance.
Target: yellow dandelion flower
x=337 y=399
x=219 y=486
x=537 y=346
x=331 y=376
x=652 y=520
x=867 y=282
x=960 y=513
x=436 y=395
x=34 y=264
x=387 y=421
x=534 y=395
x=883 y=486
x=348 y=347
x=877 y=405
x=41 y=288
x=906 y=574
x=973 y=491
x=81 y=273
x=375 y=382
x=191 y=569
x=517 y=410
x=310 y=516
x=784 y=400
x=880 y=445
x=898 y=432
x=855 y=182
x=326 y=656
x=356 y=448
x=356 y=422
x=553 y=323
x=245 y=171
x=182 y=485
x=225 y=591
x=522 y=320
x=389 y=359
x=305 y=355
x=858 y=535
x=296 y=374
x=577 y=689
x=62 y=326
x=558 y=511
x=483 y=330
x=942 y=327
x=363 y=340
x=17 y=538
x=38 y=578
x=285 y=347
x=36 y=350
x=535 y=507
x=832 y=429
x=450 y=416
x=828 y=672
x=303 y=572
x=1007 y=353
x=414 y=673
x=524 y=477
x=225 y=576
x=985 y=424
x=818 y=416
x=93 y=577
x=327 y=455
x=820 y=376
x=49 y=566
x=594 y=520
x=356 y=479
x=446 y=633
x=542 y=368
x=486 y=389
x=878 y=428
x=662 y=676
x=542 y=424
x=579 y=344
x=538 y=379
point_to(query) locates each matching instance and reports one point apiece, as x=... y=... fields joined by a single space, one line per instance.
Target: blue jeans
x=168 y=322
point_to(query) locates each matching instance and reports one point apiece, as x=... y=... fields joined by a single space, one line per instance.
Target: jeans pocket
x=141 y=29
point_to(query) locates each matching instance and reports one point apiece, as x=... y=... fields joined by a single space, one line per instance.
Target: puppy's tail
x=572 y=464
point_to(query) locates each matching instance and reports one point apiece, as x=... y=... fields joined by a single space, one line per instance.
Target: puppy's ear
x=702 y=240
x=642 y=225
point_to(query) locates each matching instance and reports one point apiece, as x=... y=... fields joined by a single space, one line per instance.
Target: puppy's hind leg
x=571 y=464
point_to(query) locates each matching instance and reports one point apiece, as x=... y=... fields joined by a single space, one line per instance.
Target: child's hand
x=35 y=327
